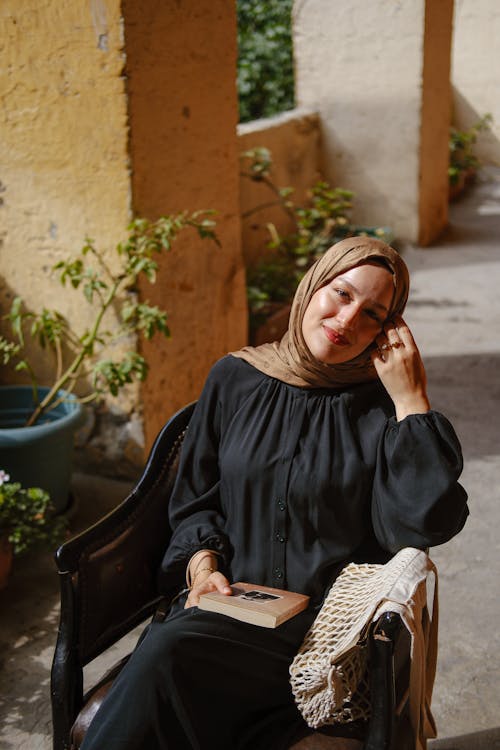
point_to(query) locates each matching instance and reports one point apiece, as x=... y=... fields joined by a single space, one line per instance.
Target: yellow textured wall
x=181 y=67
x=63 y=142
x=112 y=109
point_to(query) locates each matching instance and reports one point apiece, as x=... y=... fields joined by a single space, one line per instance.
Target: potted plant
x=26 y=520
x=463 y=162
x=37 y=423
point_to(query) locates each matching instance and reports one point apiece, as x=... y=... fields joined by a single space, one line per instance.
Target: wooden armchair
x=108 y=577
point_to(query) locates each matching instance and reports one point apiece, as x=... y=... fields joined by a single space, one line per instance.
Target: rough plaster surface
x=476 y=70
x=65 y=169
x=360 y=66
x=293 y=139
x=181 y=62
x=86 y=141
x=63 y=143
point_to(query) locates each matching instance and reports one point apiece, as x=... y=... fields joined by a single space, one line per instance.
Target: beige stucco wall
x=181 y=63
x=63 y=143
x=360 y=65
x=476 y=71
x=293 y=139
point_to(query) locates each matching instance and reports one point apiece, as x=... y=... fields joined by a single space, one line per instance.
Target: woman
x=301 y=456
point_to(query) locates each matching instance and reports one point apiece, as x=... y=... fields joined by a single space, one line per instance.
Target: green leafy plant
x=26 y=517
x=83 y=359
x=265 y=58
x=316 y=226
x=463 y=160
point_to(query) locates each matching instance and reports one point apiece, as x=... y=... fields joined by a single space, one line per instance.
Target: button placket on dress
x=280 y=509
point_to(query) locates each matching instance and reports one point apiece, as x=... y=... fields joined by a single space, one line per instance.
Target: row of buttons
x=279 y=536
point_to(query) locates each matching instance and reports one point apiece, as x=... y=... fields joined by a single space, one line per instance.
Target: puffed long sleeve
x=195 y=513
x=416 y=498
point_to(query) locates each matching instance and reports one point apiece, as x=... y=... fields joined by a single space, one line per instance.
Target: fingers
x=402 y=331
x=395 y=336
x=221 y=583
x=212 y=582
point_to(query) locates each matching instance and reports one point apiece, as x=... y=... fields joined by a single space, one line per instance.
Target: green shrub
x=26 y=516
x=265 y=58
x=463 y=159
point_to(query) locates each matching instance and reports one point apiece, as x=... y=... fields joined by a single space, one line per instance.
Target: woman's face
x=344 y=316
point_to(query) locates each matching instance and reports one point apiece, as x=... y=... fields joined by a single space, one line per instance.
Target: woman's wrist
x=415 y=405
x=204 y=560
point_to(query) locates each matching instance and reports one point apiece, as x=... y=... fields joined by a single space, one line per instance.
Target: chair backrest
x=109 y=576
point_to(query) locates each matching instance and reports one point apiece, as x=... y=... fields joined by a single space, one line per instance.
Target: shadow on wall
x=467 y=390
x=464 y=116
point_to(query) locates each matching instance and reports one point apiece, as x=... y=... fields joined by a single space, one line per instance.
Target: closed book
x=259 y=605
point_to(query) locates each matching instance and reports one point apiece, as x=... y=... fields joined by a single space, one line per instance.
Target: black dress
x=287 y=485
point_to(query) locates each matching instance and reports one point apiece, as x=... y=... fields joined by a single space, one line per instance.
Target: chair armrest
x=389 y=671
x=109 y=572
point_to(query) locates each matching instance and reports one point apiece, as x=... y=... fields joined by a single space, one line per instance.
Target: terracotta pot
x=5 y=561
x=456 y=190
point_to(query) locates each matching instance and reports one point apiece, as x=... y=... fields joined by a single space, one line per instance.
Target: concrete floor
x=455 y=315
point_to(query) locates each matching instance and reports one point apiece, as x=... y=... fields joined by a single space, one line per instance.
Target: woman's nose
x=349 y=315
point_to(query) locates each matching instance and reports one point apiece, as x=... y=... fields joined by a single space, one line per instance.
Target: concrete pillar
x=181 y=70
x=476 y=71
x=378 y=75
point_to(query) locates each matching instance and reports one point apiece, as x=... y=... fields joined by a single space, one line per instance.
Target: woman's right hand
x=206 y=582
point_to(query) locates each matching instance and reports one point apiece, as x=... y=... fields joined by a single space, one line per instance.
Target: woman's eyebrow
x=372 y=302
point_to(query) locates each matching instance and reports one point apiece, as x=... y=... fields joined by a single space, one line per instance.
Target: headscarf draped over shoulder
x=290 y=360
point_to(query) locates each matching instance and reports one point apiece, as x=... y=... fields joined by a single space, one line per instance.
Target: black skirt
x=201 y=680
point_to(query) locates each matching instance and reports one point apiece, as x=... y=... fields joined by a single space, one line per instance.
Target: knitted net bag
x=329 y=674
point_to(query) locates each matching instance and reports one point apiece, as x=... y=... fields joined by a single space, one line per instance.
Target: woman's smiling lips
x=334 y=337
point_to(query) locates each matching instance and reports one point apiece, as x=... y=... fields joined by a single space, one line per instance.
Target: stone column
x=378 y=74
x=181 y=72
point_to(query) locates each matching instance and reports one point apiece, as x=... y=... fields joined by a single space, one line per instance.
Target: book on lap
x=259 y=605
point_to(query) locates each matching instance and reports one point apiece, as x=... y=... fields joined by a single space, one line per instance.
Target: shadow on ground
x=467 y=389
x=489 y=739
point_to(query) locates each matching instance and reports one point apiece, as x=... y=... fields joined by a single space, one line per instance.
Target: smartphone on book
x=259 y=605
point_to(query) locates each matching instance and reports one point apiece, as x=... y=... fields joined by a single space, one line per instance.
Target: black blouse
x=289 y=484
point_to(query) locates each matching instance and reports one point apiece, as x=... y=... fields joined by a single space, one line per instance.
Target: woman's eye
x=342 y=293
x=374 y=316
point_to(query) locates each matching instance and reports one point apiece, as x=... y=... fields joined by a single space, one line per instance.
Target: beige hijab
x=290 y=360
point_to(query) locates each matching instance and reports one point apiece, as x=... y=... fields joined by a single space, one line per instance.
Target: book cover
x=259 y=605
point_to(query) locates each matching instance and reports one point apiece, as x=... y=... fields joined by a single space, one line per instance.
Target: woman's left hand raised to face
x=399 y=366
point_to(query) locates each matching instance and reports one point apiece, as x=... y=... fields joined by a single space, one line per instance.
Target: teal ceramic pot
x=38 y=456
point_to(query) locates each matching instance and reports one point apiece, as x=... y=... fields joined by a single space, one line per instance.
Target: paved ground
x=455 y=314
